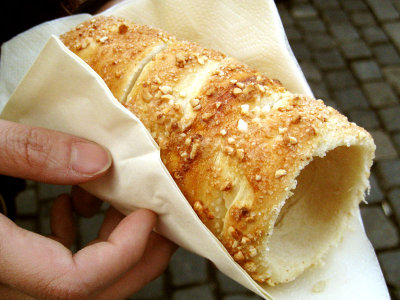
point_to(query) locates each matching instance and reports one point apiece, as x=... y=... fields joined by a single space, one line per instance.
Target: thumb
x=49 y=156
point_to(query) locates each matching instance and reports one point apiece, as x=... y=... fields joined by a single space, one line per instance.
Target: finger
x=7 y=292
x=84 y=203
x=111 y=220
x=62 y=221
x=49 y=156
x=41 y=267
x=153 y=263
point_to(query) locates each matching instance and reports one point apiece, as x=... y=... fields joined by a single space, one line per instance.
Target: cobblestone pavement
x=349 y=51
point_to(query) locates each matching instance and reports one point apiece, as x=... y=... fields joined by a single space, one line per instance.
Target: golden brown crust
x=234 y=140
x=114 y=48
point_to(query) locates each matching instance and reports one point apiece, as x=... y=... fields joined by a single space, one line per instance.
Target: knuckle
x=29 y=146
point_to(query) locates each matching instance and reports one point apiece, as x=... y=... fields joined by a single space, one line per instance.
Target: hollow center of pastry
x=314 y=217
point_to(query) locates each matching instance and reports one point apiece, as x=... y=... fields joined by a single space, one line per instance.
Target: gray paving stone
x=27 y=223
x=386 y=54
x=389 y=171
x=393 y=30
x=242 y=297
x=392 y=76
x=380 y=230
x=375 y=195
x=391 y=117
x=89 y=228
x=312 y=25
x=284 y=14
x=154 y=290
x=396 y=139
x=319 y=41
x=366 y=70
x=229 y=286
x=329 y=60
x=50 y=191
x=311 y=71
x=390 y=260
x=326 y=4
x=394 y=199
x=355 y=49
x=373 y=34
x=353 y=5
x=362 y=18
x=384 y=146
x=351 y=99
x=187 y=268
x=300 y=50
x=303 y=11
x=292 y=33
x=364 y=118
x=340 y=79
x=383 y=9
x=344 y=32
x=26 y=203
x=396 y=294
x=379 y=94
x=202 y=292
x=335 y=16
x=319 y=89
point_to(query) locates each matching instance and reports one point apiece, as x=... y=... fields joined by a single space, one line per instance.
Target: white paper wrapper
x=61 y=92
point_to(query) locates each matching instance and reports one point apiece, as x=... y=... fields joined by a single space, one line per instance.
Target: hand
x=125 y=256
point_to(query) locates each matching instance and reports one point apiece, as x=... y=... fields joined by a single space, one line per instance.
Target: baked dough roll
x=275 y=176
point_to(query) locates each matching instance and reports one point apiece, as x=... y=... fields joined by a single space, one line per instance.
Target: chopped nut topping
x=165 y=89
x=229 y=150
x=233 y=81
x=206 y=116
x=261 y=88
x=250 y=266
x=194 y=102
x=259 y=78
x=157 y=79
x=240 y=84
x=202 y=59
x=223 y=132
x=231 y=140
x=258 y=177
x=237 y=91
x=167 y=97
x=218 y=104
x=197 y=107
x=242 y=125
x=240 y=153
x=180 y=59
x=198 y=206
x=103 y=39
x=238 y=256
x=188 y=141
x=282 y=130
x=245 y=240
x=146 y=96
x=245 y=108
x=184 y=154
x=280 y=173
x=252 y=251
x=292 y=140
x=231 y=230
x=194 y=151
x=182 y=94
